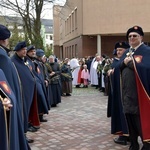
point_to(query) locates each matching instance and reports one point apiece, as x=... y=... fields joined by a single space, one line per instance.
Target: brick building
x=86 y=27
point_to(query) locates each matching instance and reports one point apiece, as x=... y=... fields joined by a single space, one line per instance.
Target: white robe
x=75 y=76
x=74 y=65
x=93 y=73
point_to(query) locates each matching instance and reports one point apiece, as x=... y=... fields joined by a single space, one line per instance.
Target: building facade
x=47 y=33
x=86 y=27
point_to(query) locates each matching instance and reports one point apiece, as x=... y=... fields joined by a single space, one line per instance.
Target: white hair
x=51 y=56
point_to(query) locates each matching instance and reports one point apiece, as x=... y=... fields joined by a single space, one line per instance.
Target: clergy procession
x=31 y=84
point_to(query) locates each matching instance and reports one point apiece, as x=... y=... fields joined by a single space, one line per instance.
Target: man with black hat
x=28 y=85
x=115 y=110
x=135 y=70
x=17 y=139
x=43 y=94
x=40 y=84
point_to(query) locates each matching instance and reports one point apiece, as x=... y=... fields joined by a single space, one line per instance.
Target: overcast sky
x=47 y=11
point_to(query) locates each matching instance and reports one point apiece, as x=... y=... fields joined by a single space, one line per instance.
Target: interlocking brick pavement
x=78 y=123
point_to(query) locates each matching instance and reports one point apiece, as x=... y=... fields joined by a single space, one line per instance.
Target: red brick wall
x=57 y=51
x=108 y=44
x=87 y=46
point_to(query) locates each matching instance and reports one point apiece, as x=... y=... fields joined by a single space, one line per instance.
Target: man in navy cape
x=42 y=98
x=8 y=126
x=4 y=128
x=27 y=82
x=109 y=73
x=42 y=74
x=135 y=74
x=115 y=110
x=13 y=79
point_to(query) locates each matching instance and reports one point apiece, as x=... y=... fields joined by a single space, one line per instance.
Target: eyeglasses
x=134 y=35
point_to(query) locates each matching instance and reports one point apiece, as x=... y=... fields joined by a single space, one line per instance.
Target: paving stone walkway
x=78 y=123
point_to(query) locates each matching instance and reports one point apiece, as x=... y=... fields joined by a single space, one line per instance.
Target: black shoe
x=29 y=140
x=128 y=139
x=31 y=129
x=36 y=127
x=63 y=94
x=67 y=94
x=42 y=119
x=120 y=141
x=54 y=105
x=77 y=86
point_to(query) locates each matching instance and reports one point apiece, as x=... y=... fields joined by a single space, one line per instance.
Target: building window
x=70 y=24
x=21 y=34
x=47 y=37
x=67 y=51
x=65 y=27
x=20 y=27
x=70 y=52
x=51 y=46
x=75 y=18
x=50 y=27
x=73 y=21
x=10 y=27
x=51 y=37
x=73 y=53
x=76 y=51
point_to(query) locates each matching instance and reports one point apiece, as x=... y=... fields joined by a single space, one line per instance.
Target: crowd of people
x=31 y=83
x=128 y=100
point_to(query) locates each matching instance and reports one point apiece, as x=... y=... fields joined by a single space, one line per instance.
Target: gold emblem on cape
x=5 y=87
x=135 y=27
x=138 y=58
x=38 y=70
x=30 y=68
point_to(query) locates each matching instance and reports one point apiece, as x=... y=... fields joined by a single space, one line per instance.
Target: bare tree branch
x=30 y=12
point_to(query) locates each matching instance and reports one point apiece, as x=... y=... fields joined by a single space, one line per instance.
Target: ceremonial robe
x=13 y=79
x=142 y=74
x=28 y=85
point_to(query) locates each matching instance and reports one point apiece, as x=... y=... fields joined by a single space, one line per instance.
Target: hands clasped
x=127 y=59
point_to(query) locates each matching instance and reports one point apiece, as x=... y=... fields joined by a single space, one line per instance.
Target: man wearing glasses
x=135 y=71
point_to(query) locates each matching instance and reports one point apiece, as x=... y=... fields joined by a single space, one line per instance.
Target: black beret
x=31 y=47
x=122 y=45
x=136 y=29
x=39 y=52
x=4 y=32
x=20 y=45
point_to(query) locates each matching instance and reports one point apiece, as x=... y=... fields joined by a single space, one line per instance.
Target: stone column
x=99 y=50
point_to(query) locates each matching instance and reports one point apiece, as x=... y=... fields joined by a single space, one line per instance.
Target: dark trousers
x=99 y=81
x=135 y=130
